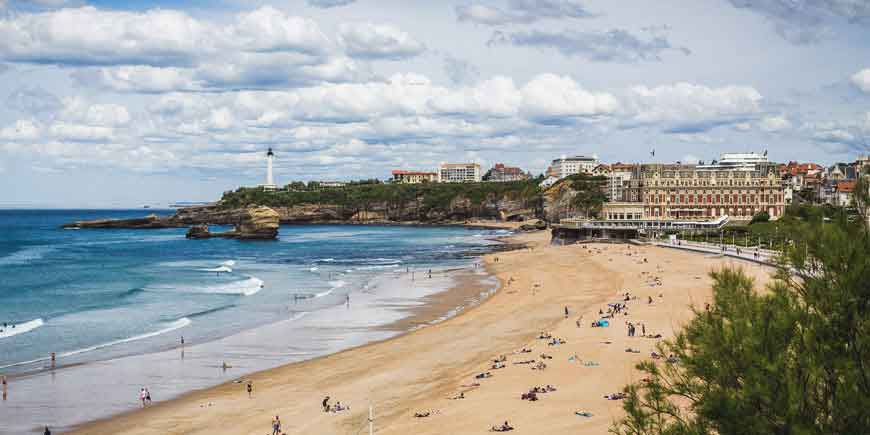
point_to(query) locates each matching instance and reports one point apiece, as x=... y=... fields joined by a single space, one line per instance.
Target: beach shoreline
x=421 y=369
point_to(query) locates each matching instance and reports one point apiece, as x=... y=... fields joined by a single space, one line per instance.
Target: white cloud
x=77 y=110
x=808 y=21
x=24 y=130
x=139 y=78
x=329 y=3
x=861 y=79
x=521 y=12
x=378 y=41
x=616 y=45
x=81 y=133
x=158 y=37
x=846 y=135
x=774 y=123
x=548 y=97
x=691 y=108
x=270 y=30
x=161 y=50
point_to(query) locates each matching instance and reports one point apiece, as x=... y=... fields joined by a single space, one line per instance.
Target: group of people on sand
x=338 y=407
x=632 y=329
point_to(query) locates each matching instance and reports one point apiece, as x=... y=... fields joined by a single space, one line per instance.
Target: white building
x=270 y=181
x=459 y=173
x=549 y=181
x=565 y=166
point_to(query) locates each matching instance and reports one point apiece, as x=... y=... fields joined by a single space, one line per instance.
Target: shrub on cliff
x=794 y=359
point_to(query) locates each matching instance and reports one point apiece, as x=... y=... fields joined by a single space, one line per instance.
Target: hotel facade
x=700 y=192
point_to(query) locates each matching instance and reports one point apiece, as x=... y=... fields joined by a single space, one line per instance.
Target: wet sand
x=420 y=371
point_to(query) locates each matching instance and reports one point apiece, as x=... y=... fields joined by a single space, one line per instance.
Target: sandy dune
x=421 y=371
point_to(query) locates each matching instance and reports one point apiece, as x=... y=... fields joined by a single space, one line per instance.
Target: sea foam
x=20 y=328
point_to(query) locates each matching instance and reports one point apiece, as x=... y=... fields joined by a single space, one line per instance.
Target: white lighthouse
x=270 y=182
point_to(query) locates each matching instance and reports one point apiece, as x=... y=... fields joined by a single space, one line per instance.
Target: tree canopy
x=791 y=359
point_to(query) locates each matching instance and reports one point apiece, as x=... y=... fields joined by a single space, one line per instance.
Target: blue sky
x=111 y=104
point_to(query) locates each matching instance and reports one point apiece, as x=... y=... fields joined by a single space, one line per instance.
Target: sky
x=129 y=103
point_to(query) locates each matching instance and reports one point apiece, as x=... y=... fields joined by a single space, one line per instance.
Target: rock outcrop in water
x=254 y=223
x=148 y=222
x=250 y=223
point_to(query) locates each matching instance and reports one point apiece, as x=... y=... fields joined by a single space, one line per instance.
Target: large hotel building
x=737 y=186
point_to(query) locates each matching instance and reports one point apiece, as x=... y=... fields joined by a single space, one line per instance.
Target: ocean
x=113 y=305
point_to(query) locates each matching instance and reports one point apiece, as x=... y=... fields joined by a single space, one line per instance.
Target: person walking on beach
x=276 y=426
x=47 y=432
x=325 y=404
x=142 y=396
x=182 y=341
x=147 y=396
x=250 y=388
x=566 y=311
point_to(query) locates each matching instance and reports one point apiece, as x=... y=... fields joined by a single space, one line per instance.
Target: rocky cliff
x=458 y=210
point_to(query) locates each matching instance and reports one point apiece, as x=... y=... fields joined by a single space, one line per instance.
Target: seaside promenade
x=432 y=381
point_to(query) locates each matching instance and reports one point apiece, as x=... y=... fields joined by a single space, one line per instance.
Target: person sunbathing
x=531 y=396
x=545 y=356
x=630 y=350
x=615 y=396
x=459 y=397
x=539 y=366
x=531 y=361
x=422 y=414
x=550 y=388
x=655 y=355
x=503 y=428
x=525 y=350
x=483 y=375
x=498 y=365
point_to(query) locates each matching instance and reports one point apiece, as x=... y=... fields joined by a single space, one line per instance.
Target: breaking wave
x=178 y=324
x=20 y=328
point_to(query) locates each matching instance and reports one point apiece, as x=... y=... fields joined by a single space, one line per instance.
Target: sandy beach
x=422 y=371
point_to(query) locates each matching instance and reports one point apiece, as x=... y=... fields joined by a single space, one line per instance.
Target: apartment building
x=565 y=166
x=459 y=173
x=500 y=173
x=413 y=177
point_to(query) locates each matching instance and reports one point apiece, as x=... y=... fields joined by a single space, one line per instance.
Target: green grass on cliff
x=428 y=196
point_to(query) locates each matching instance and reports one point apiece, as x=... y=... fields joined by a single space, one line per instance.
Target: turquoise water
x=120 y=297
